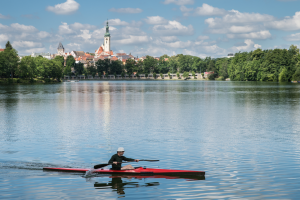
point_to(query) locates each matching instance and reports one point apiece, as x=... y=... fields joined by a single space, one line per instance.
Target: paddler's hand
x=115 y=163
x=136 y=160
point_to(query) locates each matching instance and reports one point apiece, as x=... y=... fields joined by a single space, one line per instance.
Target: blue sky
x=194 y=27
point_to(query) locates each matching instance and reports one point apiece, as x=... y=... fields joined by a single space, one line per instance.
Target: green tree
x=11 y=60
x=296 y=75
x=129 y=66
x=70 y=62
x=185 y=75
x=283 y=76
x=92 y=70
x=79 y=68
x=27 y=67
x=150 y=64
x=60 y=59
x=67 y=71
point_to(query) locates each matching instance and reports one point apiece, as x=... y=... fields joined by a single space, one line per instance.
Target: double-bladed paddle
x=104 y=165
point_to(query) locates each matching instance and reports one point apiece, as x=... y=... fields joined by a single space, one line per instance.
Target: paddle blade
x=100 y=166
x=150 y=160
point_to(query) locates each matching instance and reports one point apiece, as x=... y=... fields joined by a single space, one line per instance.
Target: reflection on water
x=118 y=185
x=245 y=135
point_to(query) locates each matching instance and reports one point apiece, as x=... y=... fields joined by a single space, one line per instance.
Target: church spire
x=107 y=34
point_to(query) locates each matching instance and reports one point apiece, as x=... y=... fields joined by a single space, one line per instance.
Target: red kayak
x=137 y=171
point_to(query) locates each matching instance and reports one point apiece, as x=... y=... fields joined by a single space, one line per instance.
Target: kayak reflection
x=119 y=185
x=120 y=182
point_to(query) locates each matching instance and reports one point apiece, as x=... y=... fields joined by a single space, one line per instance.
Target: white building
x=44 y=55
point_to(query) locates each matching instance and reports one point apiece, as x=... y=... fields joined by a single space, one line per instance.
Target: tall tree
x=11 y=59
x=70 y=61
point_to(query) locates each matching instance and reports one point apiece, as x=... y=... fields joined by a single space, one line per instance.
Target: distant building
x=104 y=49
x=230 y=55
x=206 y=74
x=1 y=50
x=77 y=54
x=44 y=55
x=60 y=49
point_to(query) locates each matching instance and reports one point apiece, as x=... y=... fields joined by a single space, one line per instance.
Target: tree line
x=259 y=65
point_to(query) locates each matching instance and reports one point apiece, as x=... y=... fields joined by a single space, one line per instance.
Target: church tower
x=107 y=39
x=60 y=49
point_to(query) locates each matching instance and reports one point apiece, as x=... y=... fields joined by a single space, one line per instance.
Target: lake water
x=244 y=135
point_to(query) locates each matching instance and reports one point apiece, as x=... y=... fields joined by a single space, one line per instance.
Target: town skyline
x=215 y=28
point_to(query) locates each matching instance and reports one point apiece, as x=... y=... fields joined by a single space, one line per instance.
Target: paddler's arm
x=130 y=159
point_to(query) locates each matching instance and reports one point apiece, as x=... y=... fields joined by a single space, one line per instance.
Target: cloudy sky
x=194 y=27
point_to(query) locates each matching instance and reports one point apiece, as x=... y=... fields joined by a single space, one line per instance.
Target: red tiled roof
x=1 y=49
x=121 y=54
x=114 y=58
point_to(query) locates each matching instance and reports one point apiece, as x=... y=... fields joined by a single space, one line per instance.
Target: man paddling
x=118 y=158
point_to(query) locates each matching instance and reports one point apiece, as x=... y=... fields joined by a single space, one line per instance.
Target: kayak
x=137 y=170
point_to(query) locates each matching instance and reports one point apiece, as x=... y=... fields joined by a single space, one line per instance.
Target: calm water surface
x=245 y=135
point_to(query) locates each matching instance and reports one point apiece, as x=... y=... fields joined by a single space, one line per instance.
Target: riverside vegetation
x=281 y=65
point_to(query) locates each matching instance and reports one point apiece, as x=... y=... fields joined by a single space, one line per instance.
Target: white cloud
x=241 y=29
x=248 y=47
x=186 y=11
x=203 y=37
x=253 y=35
x=117 y=22
x=4 y=38
x=179 y=2
x=23 y=28
x=43 y=34
x=69 y=7
x=35 y=50
x=133 y=40
x=236 y=17
x=26 y=44
x=287 y=24
x=65 y=29
x=207 y=10
x=4 y=17
x=173 y=28
x=169 y=38
x=293 y=37
x=126 y=10
x=85 y=34
x=175 y=45
x=156 y=20
x=79 y=26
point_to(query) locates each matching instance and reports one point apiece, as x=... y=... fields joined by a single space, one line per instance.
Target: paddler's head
x=120 y=151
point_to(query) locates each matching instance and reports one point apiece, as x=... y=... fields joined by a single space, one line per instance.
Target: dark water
x=245 y=135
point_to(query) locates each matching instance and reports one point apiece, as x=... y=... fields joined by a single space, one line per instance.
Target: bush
x=178 y=75
x=161 y=75
x=10 y=80
x=154 y=75
x=47 y=80
x=211 y=77
x=18 y=80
